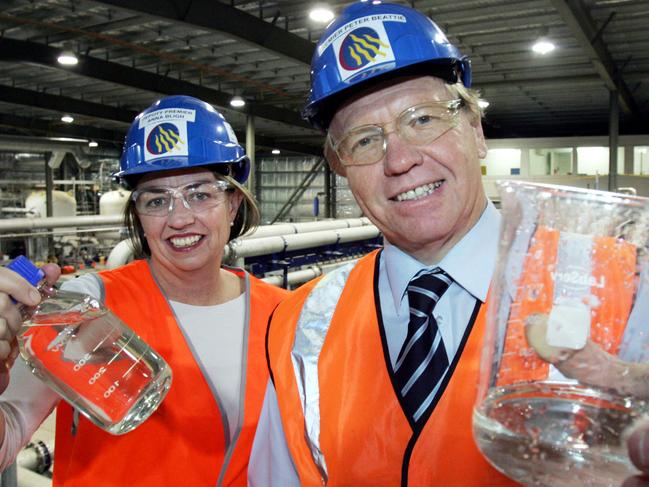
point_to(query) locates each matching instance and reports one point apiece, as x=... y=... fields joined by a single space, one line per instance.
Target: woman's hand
x=14 y=286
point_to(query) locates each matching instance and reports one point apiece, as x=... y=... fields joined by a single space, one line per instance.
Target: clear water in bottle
x=554 y=434
x=87 y=355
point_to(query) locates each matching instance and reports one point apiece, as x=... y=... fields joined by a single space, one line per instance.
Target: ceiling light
x=67 y=58
x=543 y=46
x=26 y=155
x=92 y=143
x=275 y=151
x=321 y=14
x=68 y=139
x=483 y=104
x=67 y=119
x=237 y=101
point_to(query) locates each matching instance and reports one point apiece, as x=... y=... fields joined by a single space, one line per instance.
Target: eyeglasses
x=196 y=197
x=418 y=125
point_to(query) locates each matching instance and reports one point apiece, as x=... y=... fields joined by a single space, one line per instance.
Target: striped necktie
x=422 y=361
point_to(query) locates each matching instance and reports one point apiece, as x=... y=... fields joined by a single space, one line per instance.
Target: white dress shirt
x=470 y=263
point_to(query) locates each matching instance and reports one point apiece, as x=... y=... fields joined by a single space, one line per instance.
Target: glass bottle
x=81 y=350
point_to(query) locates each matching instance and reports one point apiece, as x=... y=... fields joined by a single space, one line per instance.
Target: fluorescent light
x=67 y=58
x=275 y=151
x=237 y=101
x=26 y=155
x=321 y=14
x=68 y=139
x=92 y=143
x=67 y=119
x=543 y=46
x=483 y=104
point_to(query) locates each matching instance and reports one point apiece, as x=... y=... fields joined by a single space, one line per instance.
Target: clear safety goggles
x=418 y=125
x=195 y=196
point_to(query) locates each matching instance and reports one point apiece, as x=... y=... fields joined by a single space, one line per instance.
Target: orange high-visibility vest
x=183 y=442
x=365 y=437
x=611 y=293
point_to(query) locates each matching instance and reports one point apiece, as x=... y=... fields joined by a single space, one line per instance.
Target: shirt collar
x=470 y=262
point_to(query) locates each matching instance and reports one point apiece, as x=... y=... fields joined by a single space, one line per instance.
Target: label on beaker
x=568 y=324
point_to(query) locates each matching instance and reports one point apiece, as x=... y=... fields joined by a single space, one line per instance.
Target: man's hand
x=590 y=365
x=638 y=444
x=14 y=286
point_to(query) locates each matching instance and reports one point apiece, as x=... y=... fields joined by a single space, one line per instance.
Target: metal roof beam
x=19 y=96
x=581 y=23
x=43 y=127
x=103 y=27
x=25 y=51
x=217 y=16
x=64 y=104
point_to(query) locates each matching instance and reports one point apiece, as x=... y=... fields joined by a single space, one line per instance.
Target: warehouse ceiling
x=133 y=52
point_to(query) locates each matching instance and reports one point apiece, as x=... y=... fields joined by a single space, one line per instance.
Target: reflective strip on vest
x=310 y=334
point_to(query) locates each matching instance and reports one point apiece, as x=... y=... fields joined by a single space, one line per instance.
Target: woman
x=185 y=166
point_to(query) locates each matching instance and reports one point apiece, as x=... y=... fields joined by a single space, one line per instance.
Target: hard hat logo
x=362 y=48
x=164 y=140
x=165 y=132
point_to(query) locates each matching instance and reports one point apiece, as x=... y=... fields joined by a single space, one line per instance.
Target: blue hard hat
x=371 y=40
x=179 y=132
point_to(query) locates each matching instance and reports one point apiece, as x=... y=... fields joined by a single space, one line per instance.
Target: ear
x=481 y=143
x=235 y=201
x=332 y=159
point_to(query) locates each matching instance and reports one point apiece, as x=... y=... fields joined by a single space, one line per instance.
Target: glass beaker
x=564 y=368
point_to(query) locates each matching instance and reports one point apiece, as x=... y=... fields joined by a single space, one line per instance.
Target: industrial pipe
x=304 y=275
x=74 y=231
x=347 y=230
x=305 y=227
x=37 y=456
x=272 y=245
x=27 y=478
x=295 y=277
x=16 y=224
x=121 y=254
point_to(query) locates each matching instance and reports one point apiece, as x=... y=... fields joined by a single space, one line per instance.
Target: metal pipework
x=271 y=245
x=18 y=224
x=36 y=456
x=304 y=275
x=73 y=231
x=295 y=277
x=305 y=227
x=21 y=224
x=273 y=238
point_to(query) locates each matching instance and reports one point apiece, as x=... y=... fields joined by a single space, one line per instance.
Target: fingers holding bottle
x=15 y=291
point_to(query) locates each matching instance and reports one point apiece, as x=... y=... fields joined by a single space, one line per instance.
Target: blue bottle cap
x=23 y=266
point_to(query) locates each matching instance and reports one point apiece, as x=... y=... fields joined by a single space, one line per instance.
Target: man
x=374 y=366
x=403 y=128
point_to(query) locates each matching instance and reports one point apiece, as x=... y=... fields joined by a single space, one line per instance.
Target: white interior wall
x=548 y=156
